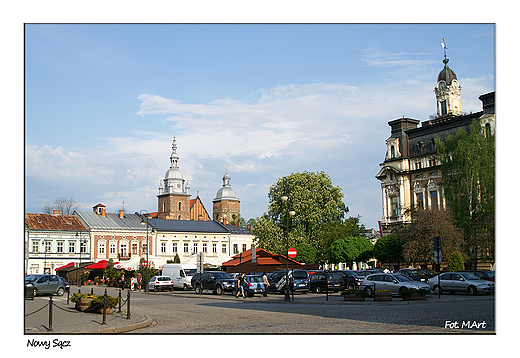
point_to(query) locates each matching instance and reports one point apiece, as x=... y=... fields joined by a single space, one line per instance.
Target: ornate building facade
x=410 y=174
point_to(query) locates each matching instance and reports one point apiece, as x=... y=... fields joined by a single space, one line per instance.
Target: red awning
x=67 y=265
x=100 y=265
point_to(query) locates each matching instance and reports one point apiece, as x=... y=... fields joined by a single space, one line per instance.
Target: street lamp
x=145 y=221
x=290 y=212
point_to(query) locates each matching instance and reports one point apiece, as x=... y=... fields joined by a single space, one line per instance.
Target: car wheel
x=472 y=290
x=351 y=286
x=437 y=290
x=198 y=289
x=369 y=291
x=185 y=287
x=318 y=289
x=61 y=291
x=219 y=290
x=402 y=290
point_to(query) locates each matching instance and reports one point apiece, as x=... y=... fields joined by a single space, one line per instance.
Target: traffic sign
x=145 y=263
x=291 y=252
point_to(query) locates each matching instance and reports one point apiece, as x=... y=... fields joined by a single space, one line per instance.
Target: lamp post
x=145 y=221
x=291 y=212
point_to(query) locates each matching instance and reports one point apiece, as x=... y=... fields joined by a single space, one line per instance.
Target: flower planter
x=414 y=296
x=83 y=304
x=383 y=296
x=353 y=297
x=100 y=310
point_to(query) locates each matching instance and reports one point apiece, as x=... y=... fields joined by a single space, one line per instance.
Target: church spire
x=174 y=158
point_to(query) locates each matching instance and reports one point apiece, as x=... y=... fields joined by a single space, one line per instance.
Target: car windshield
x=31 y=278
x=255 y=279
x=163 y=278
x=401 y=278
x=334 y=276
x=469 y=276
x=300 y=275
x=190 y=272
x=489 y=274
x=221 y=275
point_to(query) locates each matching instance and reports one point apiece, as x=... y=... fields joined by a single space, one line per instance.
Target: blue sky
x=103 y=102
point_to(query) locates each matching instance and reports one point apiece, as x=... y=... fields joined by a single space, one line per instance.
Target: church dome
x=447 y=74
x=173 y=173
x=226 y=192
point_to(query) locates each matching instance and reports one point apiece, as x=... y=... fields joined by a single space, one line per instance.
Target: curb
x=146 y=323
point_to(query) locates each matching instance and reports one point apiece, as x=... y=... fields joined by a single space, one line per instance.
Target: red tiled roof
x=54 y=222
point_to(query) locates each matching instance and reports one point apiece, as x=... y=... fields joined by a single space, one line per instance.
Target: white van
x=181 y=274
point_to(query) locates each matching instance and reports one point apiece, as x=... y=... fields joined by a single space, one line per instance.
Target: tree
x=389 y=248
x=468 y=167
x=329 y=233
x=350 y=249
x=305 y=253
x=456 y=262
x=64 y=205
x=268 y=235
x=418 y=236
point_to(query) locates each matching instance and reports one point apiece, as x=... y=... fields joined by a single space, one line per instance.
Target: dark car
x=216 y=281
x=254 y=284
x=65 y=283
x=41 y=284
x=298 y=281
x=482 y=274
x=351 y=279
x=365 y=273
x=415 y=274
x=326 y=281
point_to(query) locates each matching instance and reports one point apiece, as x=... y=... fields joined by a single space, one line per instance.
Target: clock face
x=442 y=85
x=455 y=83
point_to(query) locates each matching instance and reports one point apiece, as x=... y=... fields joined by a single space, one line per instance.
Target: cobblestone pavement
x=185 y=312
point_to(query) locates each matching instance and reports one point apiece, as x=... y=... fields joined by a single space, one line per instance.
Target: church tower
x=226 y=205
x=174 y=197
x=447 y=90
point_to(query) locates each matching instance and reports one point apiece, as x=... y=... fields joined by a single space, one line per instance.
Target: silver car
x=460 y=282
x=393 y=282
x=45 y=284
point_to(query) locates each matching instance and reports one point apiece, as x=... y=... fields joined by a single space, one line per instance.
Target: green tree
x=456 y=262
x=268 y=235
x=389 y=248
x=468 y=167
x=305 y=253
x=350 y=249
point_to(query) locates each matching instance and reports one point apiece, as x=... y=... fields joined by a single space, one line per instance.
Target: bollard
x=68 y=295
x=92 y=290
x=128 y=304
x=105 y=307
x=119 y=301
x=50 y=314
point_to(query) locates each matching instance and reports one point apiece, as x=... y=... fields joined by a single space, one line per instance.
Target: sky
x=104 y=101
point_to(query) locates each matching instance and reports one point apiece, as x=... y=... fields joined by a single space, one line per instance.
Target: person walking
x=123 y=282
x=139 y=281
x=241 y=282
x=266 y=284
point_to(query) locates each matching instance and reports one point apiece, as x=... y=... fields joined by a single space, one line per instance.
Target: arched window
x=392 y=152
x=180 y=206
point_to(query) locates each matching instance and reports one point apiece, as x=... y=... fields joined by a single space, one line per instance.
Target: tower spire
x=174 y=158
x=446 y=60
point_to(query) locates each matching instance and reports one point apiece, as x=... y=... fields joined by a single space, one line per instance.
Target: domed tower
x=447 y=90
x=226 y=205
x=174 y=197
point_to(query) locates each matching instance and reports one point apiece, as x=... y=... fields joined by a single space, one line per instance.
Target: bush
x=355 y=292
x=456 y=262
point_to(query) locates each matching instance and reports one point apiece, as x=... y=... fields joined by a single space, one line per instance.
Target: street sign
x=291 y=252
x=145 y=263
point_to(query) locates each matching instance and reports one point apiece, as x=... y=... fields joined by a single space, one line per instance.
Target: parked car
x=460 y=282
x=367 y=272
x=351 y=279
x=65 y=283
x=181 y=274
x=254 y=284
x=216 y=281
x=298 y=281
x=390 y=281
x=415 y=274
x=160 y=283
x=482 y=274
x=326 y=281
x=41 y=284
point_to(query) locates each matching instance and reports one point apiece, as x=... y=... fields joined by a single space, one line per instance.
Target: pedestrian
x=139 y=281
x=241 y=282
x=266 y=284
x=123 y=282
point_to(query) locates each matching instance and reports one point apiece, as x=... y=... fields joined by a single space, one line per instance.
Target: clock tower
x=447 y=90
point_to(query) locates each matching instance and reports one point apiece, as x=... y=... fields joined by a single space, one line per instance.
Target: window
x=135 y=249
x=145 y=248
x=123 y=250
x=434 y=200
x=59 y=247
x=214 y=248
x=47 y=246
x=180 y=206
x=392 y=152
x=163 y=247
x=186 y=248
x=420 y=200
x=224 y=249
x=204 y=247
x=35 y=246
x=195 y=247
x=112 y=248
x=72 y=246
x=101 y=248
x=235 y=249
x=394 y=206
x=83 y=247
x=244 y=247
x=174 y=247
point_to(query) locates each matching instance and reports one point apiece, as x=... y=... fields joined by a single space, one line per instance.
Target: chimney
x=121 y=214
x=103 y=212
x=55 y=212
x=224 y=221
